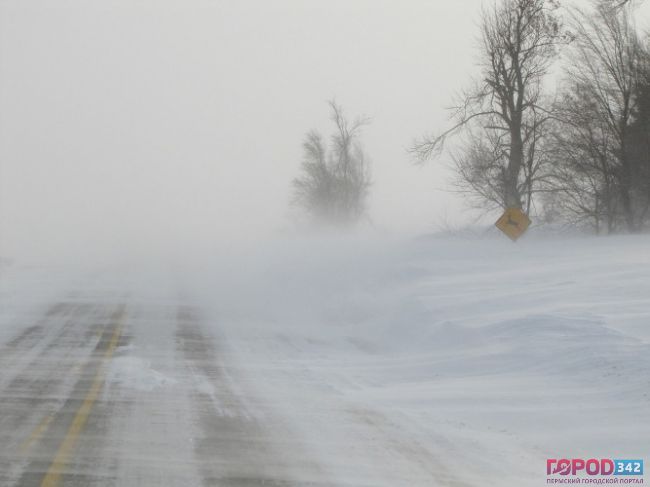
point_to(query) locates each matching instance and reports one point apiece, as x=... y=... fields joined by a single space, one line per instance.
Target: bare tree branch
x=519 y=39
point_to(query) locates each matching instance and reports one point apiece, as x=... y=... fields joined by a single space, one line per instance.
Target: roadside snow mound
x=542 y=344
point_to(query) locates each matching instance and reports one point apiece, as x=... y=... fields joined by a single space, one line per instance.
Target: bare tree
x=604 y=72
x=335 y=181
x=582 y=187
x=519 y=39
x=482 y=161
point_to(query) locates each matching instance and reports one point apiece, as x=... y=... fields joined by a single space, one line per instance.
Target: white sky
x=124 y=121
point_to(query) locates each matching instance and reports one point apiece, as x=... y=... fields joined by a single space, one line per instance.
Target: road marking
x=53 y=476
x=42 y=427
x=36 y=434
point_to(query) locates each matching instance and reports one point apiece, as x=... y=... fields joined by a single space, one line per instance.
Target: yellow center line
x=42 y=427
x=37 y=433
x=53 y=476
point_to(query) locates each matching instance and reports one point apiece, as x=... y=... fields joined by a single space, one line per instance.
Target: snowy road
x=434 y=364
x=130 y=390
x=78 y=407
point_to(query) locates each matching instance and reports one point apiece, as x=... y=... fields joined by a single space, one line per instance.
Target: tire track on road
x=37 y=370
x=233 y=448
x=55 y=445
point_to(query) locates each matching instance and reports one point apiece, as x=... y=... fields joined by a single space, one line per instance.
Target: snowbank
x=474 y=358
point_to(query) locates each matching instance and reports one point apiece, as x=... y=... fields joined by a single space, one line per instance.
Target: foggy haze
x=127 y=122
x=165 y=321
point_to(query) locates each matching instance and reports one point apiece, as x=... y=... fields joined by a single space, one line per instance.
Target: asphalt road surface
x=77 y=408
x=151 y=379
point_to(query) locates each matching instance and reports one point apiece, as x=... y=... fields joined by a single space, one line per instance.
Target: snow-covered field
x=441 y=361
x=462 y=359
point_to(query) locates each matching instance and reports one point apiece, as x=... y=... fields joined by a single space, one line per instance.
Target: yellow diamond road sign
x=513 y=223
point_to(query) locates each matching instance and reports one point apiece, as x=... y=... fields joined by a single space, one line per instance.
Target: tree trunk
x=626 y=182
x=515 y=162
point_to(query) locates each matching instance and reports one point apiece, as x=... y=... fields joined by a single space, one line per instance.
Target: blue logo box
x=628 y=467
